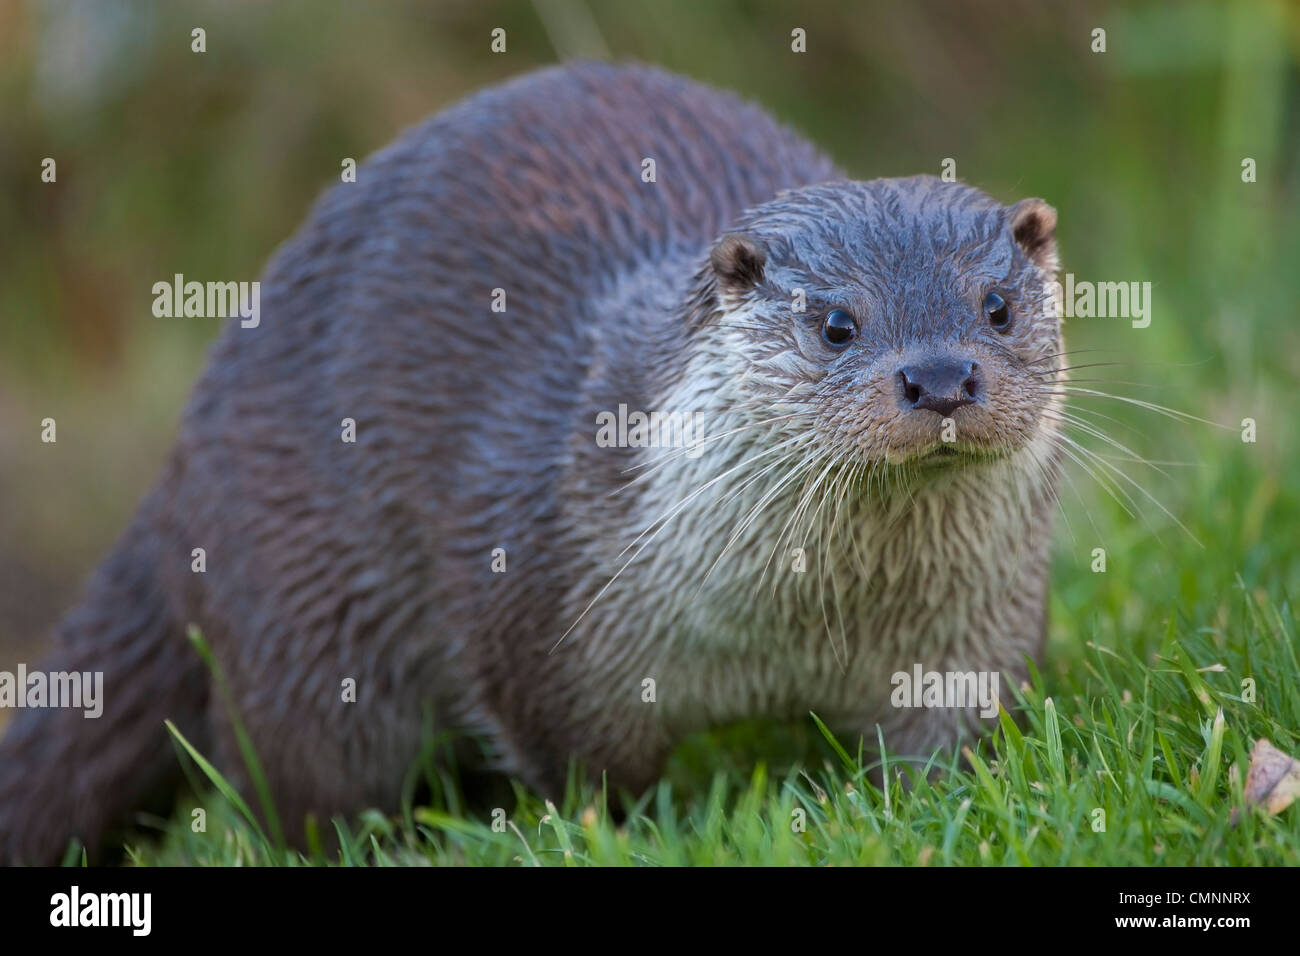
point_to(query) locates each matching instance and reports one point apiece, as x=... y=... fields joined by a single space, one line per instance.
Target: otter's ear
x=738 y=263
x=1033 y=223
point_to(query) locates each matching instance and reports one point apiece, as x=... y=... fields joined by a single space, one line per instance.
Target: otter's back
x=548 y=168
x=533 y=187
x=379 y=311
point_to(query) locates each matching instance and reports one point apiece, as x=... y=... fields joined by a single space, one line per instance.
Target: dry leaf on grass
x=1273 y=780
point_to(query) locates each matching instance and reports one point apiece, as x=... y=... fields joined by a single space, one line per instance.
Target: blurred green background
x=171 y=161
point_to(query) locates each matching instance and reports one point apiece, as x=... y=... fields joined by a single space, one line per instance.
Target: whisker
x=1097 y=381
x=1122 y=474
x=667 y=516
x=809 y=487
x=763 y=502
x=1150 y=406
x=1099 y=434
x=1068 y=368
x=1048 y=358
x=663 y=522
x=676 y=453
x=1069 y=448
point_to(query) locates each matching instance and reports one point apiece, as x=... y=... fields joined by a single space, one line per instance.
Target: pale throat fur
x=900 y=564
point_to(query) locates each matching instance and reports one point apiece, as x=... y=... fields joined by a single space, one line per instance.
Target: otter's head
x=905 y=321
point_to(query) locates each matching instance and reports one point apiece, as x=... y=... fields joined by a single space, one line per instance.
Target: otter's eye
x=999 y=313
x=839 y=327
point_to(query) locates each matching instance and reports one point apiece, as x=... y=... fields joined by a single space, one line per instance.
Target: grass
x=1130 y=747
x=1141 y=151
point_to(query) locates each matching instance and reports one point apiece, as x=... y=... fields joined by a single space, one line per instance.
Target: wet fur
x=372 y=561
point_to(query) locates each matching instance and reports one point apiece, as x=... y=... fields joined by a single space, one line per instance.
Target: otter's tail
x=65 y=775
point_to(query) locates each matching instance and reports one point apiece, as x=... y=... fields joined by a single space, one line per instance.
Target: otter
x=873 y=363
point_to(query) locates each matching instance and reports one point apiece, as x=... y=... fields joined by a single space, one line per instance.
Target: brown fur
x=372 y=561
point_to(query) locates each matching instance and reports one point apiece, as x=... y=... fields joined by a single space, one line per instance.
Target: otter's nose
x=942 y=385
